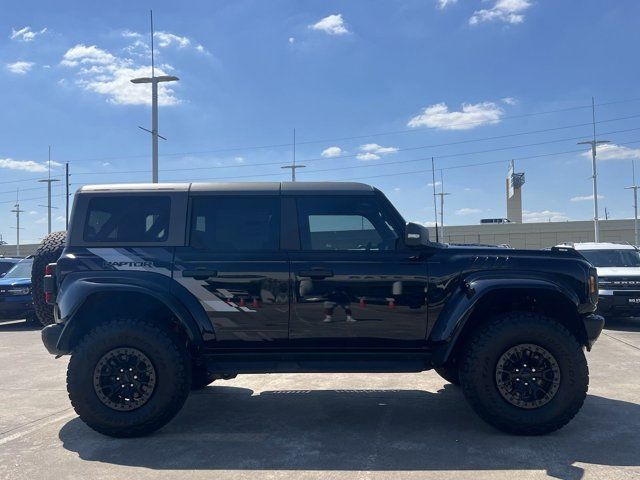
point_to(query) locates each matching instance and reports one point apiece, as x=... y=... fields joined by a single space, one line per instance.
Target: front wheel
x=524 y=374
x=128 y=378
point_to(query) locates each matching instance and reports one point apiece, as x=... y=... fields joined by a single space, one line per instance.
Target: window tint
x=235 y=224
x=345 y=223
x=127 y=219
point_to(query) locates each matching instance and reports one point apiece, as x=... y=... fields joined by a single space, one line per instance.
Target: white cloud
x=509 y=100
x=292 y=40
x=102 y=72
x=166 y=39
x=467 y=211
x=442 y=4
x=377 y=149
x=130 y=34
x=437 y=184
x=332 y=152
x=331 y=25
x=25 y=34
x=428 y=223
x=471 y=116
x=60 y=219
x=20 y=67
x=508 y=11
x=543 y=216
x=26 y=165
x=32 y=212
x=611 y=151
x=584 y=198
x=368 y=156
x=239 y=159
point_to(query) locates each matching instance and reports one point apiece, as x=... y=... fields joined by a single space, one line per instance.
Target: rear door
x=355 y=285
x=234 y=266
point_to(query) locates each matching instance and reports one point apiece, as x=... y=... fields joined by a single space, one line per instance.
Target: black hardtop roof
x=273 y=188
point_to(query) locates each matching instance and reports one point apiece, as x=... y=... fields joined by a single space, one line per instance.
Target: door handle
x=200 y=273
x=316 y=273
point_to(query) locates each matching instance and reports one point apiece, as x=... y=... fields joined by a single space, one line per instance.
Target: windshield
x=612 y=258
x=20 y=270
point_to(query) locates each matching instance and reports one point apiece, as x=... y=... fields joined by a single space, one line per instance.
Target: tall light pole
x=293 y=166
x=153 y=80
x=594 y=143
x=49 y=181
x=435 y=208
x=17 y=211
x=634 y=187
x=442 y=194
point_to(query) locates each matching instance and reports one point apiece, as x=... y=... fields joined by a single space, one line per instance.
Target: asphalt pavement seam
x=621 y=341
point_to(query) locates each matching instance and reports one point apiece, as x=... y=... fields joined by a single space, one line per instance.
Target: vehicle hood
x=604 y=272
x=15 y=282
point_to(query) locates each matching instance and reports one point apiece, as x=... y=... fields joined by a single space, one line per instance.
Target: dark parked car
x=15 y=293
x=164 y=288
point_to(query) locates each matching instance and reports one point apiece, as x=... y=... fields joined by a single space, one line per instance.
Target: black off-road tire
x=450 y=373
x=478 y=373
x=172 y=368
x=49 y=251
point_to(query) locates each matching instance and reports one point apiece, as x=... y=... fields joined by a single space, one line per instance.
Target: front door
x=354 y=283
x=234 y=266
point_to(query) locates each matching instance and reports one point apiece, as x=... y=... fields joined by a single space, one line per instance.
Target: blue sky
x=373 y=88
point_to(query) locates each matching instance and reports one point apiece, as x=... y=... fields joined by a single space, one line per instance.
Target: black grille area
x=619 y=283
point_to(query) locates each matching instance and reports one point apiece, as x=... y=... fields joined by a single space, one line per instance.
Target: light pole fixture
x=594 y=143
x=153 y=80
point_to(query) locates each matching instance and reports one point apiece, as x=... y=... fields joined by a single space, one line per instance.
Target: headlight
x=18 y=291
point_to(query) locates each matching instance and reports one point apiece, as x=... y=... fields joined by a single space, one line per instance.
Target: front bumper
x=15 y=307
x=619 y=302
x=50 y=337
x=593 y=325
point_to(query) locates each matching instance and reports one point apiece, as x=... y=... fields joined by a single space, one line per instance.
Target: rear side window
x=235 y=224
x=138 y=219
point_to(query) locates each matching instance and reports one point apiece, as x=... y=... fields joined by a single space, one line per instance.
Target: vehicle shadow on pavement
x=229 y=428
x=18 y=326
x=631 y=324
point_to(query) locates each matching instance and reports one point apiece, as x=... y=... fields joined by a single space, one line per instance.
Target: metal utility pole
x=435 y=208
x=594 y=143
x=153 y=80
x=442 y=194
x=66 y=211
x=293 y=166
x=17 y=211
x=634 y=187
x=49 y=181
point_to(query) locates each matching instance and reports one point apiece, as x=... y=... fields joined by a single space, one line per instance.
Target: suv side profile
x=165 y=288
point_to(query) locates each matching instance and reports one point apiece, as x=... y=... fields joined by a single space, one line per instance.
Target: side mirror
x=416 y=235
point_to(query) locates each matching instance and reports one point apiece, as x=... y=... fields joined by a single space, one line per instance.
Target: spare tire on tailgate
x=48 y=252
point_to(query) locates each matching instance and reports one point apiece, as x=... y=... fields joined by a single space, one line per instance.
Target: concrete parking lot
x=318 y=426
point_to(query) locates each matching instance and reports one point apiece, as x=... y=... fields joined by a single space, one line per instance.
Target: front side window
x=235 y=224
x=345 y=223
x=135 y=219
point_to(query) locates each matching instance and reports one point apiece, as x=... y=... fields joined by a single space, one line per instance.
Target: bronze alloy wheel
x=527 y=376
x=124 y=379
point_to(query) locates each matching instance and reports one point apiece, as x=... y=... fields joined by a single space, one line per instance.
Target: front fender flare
x=460 y=306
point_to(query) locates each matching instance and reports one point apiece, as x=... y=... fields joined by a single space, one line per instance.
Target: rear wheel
x=49 y=251
x=524 y=374
x=128 y=378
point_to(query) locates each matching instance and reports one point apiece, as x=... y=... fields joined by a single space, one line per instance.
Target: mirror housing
x=416 y=235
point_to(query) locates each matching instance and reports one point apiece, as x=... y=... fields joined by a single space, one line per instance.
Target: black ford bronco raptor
x=165 y=288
